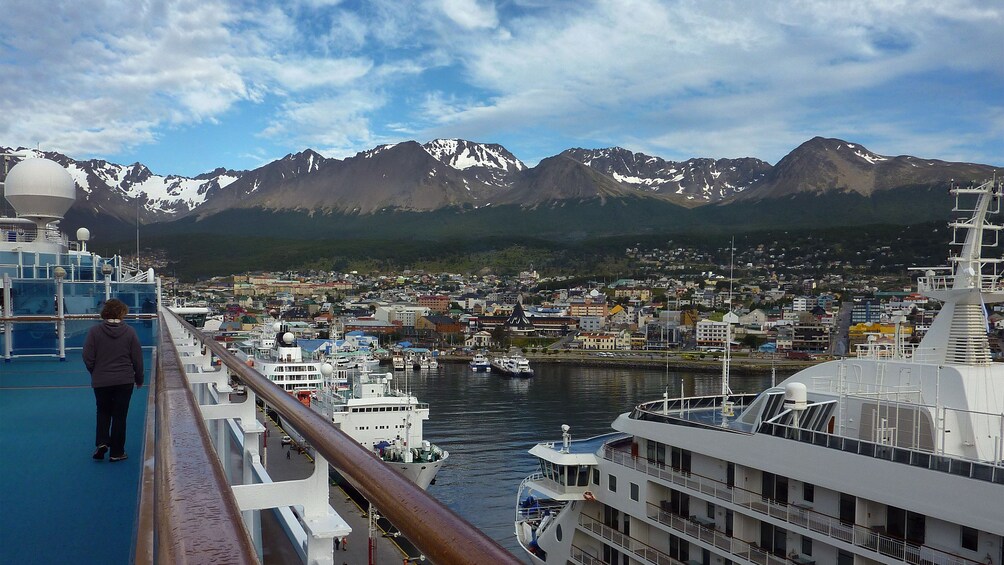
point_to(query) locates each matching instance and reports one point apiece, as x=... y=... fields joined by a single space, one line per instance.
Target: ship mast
x=959 y=334
x=726 y=390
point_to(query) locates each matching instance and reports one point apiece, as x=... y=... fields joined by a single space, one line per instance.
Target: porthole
x=557 y=532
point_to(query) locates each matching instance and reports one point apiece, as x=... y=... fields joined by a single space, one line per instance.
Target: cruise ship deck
x=59 y=505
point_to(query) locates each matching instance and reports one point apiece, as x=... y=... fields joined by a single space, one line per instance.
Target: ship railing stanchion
x=60 y=274
x=8 y=312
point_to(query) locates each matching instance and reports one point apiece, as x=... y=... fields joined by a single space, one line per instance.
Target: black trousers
x=113 y=407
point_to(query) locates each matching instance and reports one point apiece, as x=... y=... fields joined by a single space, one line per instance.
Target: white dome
x=40 y=188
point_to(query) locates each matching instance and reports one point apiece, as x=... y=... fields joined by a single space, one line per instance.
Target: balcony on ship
x=796 y=517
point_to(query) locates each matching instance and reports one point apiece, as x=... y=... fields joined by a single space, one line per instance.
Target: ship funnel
x=40 y=190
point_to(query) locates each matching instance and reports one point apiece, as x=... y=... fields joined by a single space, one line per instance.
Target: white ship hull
x=422 y=474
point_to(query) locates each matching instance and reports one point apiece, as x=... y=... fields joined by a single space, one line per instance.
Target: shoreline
x=737 y=365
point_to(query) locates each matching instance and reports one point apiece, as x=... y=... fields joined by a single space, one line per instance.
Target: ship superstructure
x=891 y=456
x=275 y=353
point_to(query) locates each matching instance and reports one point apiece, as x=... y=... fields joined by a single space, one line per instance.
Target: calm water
x=488 y=423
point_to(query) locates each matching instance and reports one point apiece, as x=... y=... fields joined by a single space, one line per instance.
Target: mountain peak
x=695 y=181
x=489 y=163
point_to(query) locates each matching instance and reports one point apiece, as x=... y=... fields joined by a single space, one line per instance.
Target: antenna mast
x=726 y=390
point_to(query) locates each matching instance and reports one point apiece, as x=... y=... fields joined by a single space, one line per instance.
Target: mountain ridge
x=465 y=176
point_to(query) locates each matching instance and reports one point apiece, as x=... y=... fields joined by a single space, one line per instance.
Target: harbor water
x=488 y=423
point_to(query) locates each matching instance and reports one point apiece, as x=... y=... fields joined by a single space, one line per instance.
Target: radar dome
x=40 y=189
x=287 y=338
x=83 y=234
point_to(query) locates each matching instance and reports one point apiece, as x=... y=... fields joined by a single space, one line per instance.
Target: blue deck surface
x=57 y=505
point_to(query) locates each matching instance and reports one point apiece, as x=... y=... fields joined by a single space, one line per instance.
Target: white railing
x=578 y=555
x=716 y=538
x=987 y=283
x=860 y=536
x=626 y=543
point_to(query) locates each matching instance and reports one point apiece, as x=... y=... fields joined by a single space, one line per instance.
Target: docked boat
x=513 y=365
x=274 y=352
x=384 y=419
x=427 y=362
x=398 y=362
x=481 y=364
x=895 y=455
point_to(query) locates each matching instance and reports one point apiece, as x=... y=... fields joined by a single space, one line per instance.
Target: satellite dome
x=40 y=189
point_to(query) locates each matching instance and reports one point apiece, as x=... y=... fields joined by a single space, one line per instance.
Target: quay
x=684 y=361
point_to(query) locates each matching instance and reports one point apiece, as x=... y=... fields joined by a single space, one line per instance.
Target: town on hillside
x=763 y=311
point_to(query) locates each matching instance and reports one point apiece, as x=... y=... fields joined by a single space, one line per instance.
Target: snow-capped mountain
x=468 y=176
x=111 y=189
x=700 y=180
x=489 y=163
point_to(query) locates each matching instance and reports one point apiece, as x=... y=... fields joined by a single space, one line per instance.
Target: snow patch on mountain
x=462 y=154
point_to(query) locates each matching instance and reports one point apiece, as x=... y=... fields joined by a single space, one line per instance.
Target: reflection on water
x=488 y=423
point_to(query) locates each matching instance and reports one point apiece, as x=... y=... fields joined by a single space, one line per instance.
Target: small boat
x=481 y=364
x=514 y=365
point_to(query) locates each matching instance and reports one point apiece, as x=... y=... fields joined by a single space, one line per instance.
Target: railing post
x=8 y=312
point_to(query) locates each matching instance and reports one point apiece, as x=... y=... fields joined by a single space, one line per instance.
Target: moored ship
x=513 y=365
x=480 y=363
x=384 y=419
x=275 y=353
x=891 y=456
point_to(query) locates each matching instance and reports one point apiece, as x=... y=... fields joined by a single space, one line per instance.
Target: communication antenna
x=726 y=390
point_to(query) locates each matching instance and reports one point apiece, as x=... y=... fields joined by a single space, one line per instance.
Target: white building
x=710 y=333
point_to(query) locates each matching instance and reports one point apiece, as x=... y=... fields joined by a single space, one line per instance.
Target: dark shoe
x=115 y=458
x=99 y=453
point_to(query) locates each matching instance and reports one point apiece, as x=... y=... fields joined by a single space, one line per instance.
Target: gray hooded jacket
x=113 y=355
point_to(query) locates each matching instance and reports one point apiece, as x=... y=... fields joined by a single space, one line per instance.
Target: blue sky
x=188 y=86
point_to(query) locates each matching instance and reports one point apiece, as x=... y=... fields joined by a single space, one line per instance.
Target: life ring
x=588 y=495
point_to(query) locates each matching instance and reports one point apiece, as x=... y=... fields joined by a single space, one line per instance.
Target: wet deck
x=59 y=505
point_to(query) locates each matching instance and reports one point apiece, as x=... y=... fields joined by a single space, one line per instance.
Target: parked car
x=286 y=440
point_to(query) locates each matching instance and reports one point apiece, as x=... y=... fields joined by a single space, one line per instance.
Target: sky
x=186 y=86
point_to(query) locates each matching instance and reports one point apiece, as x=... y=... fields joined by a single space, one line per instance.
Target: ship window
x=612 y=483
x=808 y=492
x=596 y=477
x=634 y=492
x=970 y=538
x=844 y=558
x=806 y=545
x=583 y=479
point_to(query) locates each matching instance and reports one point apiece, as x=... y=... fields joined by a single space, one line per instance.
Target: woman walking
x=114 y=358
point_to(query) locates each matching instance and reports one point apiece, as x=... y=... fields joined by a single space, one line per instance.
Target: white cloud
x=676 y=77
x=335 y=126
x=470 y=14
